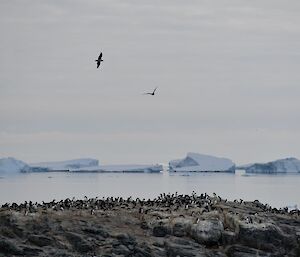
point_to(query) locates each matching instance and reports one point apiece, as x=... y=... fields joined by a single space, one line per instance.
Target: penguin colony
x=169 y=202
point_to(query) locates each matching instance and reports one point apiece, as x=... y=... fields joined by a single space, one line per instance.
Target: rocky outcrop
x=170 y=225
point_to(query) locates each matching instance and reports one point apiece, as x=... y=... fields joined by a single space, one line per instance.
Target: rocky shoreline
x=171 y=225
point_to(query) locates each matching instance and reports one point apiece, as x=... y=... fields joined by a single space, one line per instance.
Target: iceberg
x=92 y=165
x=122 y=168
x=11 y=166
x=287 y=165
x=200 y=162
x=65 y=165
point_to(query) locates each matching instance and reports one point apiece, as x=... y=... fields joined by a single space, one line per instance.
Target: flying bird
x=153 y=93
x=99 y=60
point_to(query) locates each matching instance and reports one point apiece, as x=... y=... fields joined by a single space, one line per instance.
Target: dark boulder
x=9 y=248
x=39 y=240
x=265 y=236
x=79 y=244
x=181 y=227
x=31 y=251
x=161 y=228
x=173 y=249
x=244 y=251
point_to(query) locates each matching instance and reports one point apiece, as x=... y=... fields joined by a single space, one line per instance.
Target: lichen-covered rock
x=181 y=227
x=208 y=232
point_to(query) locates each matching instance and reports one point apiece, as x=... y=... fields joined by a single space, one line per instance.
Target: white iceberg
x=122 y=168
x=92 y=165
x=200 y=162
x=65 y=165
x=287 y=165
x=11 y=166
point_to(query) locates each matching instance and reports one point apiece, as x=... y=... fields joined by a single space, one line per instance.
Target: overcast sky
x=227 y=74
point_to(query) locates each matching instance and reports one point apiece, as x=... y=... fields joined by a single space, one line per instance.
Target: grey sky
x=227 y=72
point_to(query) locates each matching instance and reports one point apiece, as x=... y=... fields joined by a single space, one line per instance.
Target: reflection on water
x=277 y=190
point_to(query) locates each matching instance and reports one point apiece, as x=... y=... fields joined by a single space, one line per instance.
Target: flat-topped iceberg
x=91 y=165
x=122 y=168
x=11 y=166
x=200 y=162
x=65 y=165
x=288 y=165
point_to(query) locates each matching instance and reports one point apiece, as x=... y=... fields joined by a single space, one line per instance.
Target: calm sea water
x=276 y=190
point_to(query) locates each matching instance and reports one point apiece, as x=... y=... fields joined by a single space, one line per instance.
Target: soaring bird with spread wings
x=153 y=93
x=99 y=60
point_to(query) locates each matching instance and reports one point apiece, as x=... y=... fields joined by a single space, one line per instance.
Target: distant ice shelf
x=195 y=162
